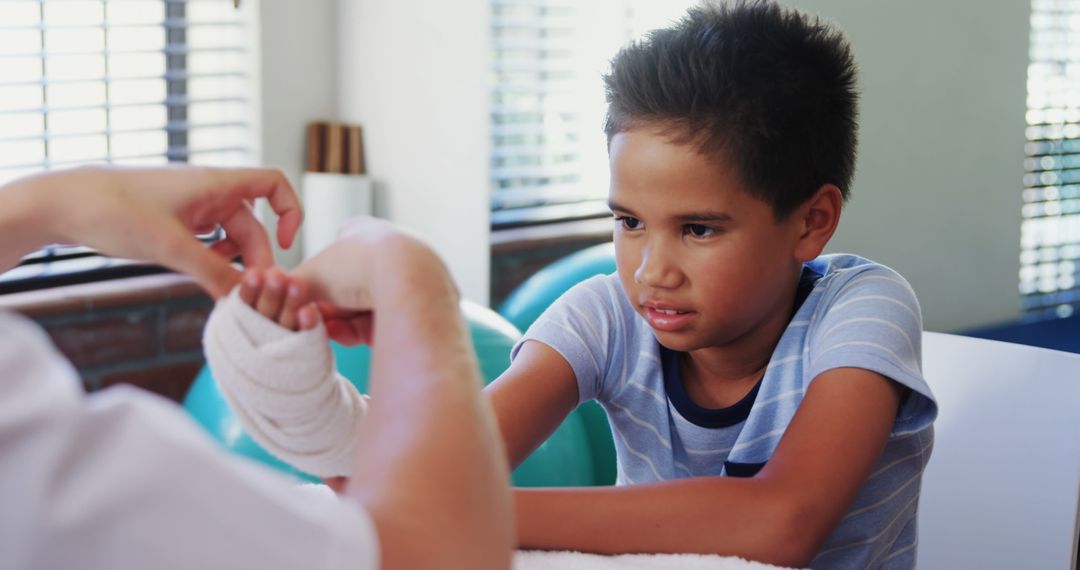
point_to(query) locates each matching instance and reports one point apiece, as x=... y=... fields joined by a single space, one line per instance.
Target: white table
x=538 y=560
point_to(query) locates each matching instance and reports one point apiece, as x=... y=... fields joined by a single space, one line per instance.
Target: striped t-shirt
x=855 y=313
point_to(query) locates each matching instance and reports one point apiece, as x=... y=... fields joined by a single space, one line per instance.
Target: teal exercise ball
x=564 y=459
x=534 y=295
x=531 y=298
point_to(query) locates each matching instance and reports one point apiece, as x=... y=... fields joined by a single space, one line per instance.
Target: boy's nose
x=657 y=270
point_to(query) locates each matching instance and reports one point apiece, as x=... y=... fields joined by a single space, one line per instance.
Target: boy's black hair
x=767 y=88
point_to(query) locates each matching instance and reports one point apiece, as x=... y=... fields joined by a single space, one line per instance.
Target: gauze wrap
x=284 y=388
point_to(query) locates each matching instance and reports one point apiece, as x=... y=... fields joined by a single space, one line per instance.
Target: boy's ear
x=817 y=220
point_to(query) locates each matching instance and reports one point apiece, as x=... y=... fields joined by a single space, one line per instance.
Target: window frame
x=1050 y=258
x=63 y=265
x=576 y=40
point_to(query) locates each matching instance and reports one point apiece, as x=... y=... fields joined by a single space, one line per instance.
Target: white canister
x=329 y=200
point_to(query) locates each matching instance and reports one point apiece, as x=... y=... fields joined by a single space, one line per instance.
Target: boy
x=765 y=402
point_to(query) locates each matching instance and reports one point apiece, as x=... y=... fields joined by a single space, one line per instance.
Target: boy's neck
x=719 y=376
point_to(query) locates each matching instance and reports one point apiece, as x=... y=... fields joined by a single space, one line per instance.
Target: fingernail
x=307 y=321
x=294 y=290
x=251 y=279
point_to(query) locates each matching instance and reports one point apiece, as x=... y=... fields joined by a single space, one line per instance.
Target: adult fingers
x=350 y=331
x=287 y=226
x=179 y=250
x=226 y=248
x=272 y=184
x=339 y=330
x=337 y=275
x=244 y=230
x=330 y=311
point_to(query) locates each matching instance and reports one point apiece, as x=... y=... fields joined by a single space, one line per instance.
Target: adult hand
x=151 y=215
x=369 y=256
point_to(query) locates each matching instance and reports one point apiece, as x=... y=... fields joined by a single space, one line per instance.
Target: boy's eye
x=698 y=230
x=628 y=222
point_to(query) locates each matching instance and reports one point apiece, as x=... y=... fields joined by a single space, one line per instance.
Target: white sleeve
x=123 y=479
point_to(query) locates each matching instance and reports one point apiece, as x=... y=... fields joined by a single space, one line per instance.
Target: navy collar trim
x=739 y=411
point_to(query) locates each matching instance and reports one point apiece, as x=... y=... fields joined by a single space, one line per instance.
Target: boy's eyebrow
x=613 y=206
x=705 y=217
x=692 y=217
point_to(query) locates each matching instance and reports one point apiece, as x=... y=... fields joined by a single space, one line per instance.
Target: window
x=549 y=159
x=131 y=82
x=1050 y=234
x=122 y=81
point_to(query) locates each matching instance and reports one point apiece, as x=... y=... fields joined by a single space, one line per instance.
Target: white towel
x=564 y=560
x=284 y=388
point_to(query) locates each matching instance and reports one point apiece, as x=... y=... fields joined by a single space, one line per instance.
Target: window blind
x=134 y=82
x=1050 y=231
x=548 y=152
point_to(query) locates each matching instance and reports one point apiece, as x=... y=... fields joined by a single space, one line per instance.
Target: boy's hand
x=280 y=298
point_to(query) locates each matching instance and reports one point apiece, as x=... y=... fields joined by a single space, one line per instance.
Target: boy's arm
x=532 y=398
x=781 y=516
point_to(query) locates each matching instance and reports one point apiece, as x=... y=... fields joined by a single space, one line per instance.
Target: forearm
x=749 y=518
x=25 y=219
x=433 y=467
x=151 y=215
x=532 y=399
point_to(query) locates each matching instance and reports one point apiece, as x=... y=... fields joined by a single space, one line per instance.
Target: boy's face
x=703 y=261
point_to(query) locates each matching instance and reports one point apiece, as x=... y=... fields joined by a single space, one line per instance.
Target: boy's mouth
x=662 y=307
x=666 y=318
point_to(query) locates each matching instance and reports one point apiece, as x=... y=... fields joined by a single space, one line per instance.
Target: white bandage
x=284 y=388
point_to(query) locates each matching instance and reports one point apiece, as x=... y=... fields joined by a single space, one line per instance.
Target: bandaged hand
x=271 y=358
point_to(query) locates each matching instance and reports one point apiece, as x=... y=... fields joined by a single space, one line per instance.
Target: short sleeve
x=870 y=319
x=581 y=326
